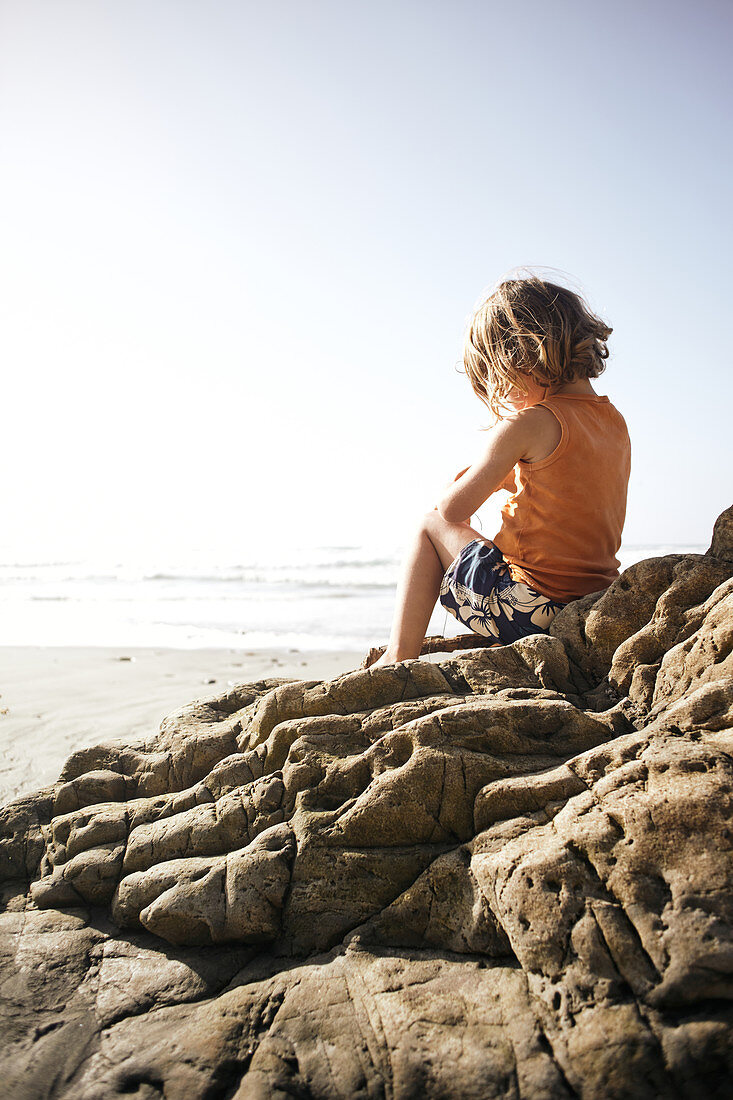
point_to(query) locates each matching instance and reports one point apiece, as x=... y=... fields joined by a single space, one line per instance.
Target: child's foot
x=378 y=658
x=373 y=656
x=379 y=662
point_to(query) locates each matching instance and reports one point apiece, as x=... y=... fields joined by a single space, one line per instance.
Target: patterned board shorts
x=479 y=591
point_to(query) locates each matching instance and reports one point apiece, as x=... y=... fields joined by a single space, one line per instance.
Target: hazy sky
x=240 y=242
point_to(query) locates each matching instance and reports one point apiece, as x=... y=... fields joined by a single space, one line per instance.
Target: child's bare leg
x=436 y=544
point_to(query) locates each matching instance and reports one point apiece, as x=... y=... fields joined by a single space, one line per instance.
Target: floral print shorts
x=479 y=591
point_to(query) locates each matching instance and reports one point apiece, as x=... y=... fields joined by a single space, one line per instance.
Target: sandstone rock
x=509 y=874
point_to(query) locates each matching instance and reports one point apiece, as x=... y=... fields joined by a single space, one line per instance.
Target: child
x=563 y=452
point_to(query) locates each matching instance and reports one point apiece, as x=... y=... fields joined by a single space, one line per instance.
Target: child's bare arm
x=511 y=440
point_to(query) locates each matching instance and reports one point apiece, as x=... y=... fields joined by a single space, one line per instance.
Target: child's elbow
x=451 y=513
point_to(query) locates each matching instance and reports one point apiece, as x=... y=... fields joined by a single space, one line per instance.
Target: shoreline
x=56 y=699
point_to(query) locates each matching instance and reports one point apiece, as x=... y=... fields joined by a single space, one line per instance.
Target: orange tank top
x=561 y=528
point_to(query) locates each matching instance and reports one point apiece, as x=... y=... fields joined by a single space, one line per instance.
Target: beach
x=56 y=699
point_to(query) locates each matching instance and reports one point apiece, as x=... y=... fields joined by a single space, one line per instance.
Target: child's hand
x=457 y=477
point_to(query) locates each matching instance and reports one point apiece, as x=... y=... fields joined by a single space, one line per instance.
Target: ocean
x=317 y=598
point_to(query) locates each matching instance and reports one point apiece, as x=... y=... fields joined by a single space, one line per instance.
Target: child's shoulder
x=542 y=432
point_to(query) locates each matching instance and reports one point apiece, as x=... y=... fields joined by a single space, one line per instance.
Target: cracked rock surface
x=508 y=874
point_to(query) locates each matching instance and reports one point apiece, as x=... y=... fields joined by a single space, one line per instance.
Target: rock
x=507 y=874
x=721 y=546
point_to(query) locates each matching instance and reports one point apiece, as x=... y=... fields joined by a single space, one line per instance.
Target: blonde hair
x=531 y=327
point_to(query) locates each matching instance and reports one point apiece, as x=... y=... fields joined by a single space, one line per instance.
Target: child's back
x=562 y=526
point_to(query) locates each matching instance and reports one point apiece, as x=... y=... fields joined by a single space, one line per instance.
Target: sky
x=240 y=242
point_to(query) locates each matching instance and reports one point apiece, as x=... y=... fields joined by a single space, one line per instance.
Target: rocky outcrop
x=507 y=874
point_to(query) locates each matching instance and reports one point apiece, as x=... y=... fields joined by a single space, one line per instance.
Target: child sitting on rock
x=561 y=450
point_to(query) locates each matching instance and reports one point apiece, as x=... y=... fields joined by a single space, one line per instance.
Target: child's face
x=536 y=393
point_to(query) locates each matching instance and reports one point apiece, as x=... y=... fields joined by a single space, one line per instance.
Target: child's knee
x=428 y=522
x=433 y=521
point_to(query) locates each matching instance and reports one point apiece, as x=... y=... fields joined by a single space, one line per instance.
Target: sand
x=55 y=700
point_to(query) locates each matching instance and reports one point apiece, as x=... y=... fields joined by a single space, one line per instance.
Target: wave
x=277 y=582
x=264 y=591
x=261 y=569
